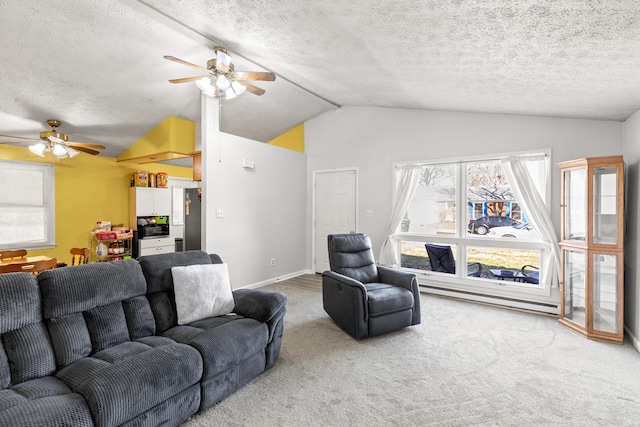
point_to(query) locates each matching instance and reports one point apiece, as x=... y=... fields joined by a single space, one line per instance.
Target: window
x=433 y=207
x=177 y=206
x=468 y=210
x=27 y=208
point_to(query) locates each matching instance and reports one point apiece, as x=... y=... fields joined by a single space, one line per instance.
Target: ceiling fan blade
x=84 y=144
x=86 y=150
x=188 y=64
x=251 y=88
x=19 y=142
x=20 y=137
x=223 y=60
x=186 y=79
x=255 y=75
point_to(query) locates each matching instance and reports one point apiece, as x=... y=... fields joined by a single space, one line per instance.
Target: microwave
x=153 y=226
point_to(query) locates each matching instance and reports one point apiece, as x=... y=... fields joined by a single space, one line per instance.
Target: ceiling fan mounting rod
x=54 y=124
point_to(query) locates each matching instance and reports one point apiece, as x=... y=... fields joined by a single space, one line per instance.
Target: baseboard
x=543 y=308
x=634 y=340
x=276 y=279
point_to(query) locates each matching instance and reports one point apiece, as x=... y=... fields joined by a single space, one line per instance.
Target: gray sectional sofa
x=99 y=344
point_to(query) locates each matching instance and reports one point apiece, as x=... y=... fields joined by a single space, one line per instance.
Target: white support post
x=211 y=149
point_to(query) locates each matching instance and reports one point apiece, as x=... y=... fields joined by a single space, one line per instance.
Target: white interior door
x=335 y=210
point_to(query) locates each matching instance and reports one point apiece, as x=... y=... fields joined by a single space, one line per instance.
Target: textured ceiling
x=97 y=65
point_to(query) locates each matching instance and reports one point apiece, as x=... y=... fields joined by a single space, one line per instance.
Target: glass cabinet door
x=605 y=293
x=575 y=220
x=575 y=277
x=592 y=213
x=605 y=205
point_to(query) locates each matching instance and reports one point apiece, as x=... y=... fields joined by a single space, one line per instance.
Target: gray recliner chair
x=364 y=299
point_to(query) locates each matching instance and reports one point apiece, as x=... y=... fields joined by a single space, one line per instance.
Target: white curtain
x=405 y=181
x=528 y=194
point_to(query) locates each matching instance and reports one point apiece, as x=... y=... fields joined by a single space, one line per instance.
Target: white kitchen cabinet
x=148 y=201
x=161 y=245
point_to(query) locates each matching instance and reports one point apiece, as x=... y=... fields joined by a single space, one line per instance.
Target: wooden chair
x=33 y=267
x=531 y=274
x=80 y=256
x=12 y=254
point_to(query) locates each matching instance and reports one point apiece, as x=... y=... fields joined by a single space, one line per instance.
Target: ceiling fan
x=55 y=142
x=222 y=80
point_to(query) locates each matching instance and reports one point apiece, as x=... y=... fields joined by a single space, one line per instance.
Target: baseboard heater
x=531 y=305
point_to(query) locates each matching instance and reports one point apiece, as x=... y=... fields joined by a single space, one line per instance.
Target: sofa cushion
x=139 y=317
x=157 y=271
x=351 y=255
x=25 y=348
x=157 y=268
x=222 y=341
x=128 y=379
x=43 y=402
x=29 y=353
x=91 y=307
x=384 y=299
x=202 y=291
x=19 y=301
x=107 y=324
x=29 y=395
x=80 y=288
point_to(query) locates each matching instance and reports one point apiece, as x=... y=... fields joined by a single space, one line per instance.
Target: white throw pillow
x=202 y=291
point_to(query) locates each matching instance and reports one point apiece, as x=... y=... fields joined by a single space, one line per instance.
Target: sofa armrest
x=263 y=306
x=345 y=280
x=397 y=277
x=406 y=280
x=345 y=300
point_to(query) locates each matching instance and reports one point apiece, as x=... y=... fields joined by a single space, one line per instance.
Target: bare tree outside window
x=487 y=182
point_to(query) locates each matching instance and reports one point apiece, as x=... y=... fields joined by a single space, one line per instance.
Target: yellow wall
x=88 y=189
x=293 y=139
x=173 y=138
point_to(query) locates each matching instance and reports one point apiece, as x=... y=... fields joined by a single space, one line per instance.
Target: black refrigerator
x=192 y=219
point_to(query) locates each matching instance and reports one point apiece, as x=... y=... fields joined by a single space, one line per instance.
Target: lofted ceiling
x=98 y=65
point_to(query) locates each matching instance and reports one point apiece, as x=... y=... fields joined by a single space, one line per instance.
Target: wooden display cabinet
x=592 y=246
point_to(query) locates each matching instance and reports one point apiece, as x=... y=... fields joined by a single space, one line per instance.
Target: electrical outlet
x=219 y=213
x=369 y=213
x=273 y=262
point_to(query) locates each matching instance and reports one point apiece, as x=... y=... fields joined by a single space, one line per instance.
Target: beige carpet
x=466 y=364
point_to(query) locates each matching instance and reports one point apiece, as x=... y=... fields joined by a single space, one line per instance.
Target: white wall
x=631 y=152
x=264 y=209
x=373 y=138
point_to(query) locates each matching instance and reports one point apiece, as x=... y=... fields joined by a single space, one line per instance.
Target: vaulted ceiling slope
x=97 y=65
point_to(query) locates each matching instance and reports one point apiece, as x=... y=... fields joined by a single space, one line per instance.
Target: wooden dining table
x=25 y=260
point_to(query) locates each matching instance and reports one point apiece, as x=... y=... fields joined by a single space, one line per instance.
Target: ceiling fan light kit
x=57 y=143
x=58 y=150
x=222 y=80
